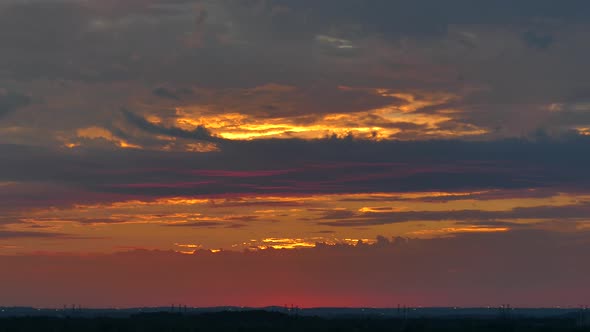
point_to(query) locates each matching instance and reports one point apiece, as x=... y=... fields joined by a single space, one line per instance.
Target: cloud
x=197 y=224
x=199 y=133
x=398 y=18
x=24 y=196
x=502 y=86
x=318 y=166
x=252 y=104
x=165 y=93
x=227 y=222
x=562 y=213
x=10 y=102
x=57 y=25
x=537 y=40
x=525 y=268
x=6 y=235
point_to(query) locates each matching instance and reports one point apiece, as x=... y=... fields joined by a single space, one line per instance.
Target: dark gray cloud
x=483 y=196
x=165 y=93
x=399 y=17
x=320 y=166
x=198 y=224
x=6 y=235
x=504 y=82
x=496 y=223
x=10 y=102
x=349 y=218
x=199 y=133
x=54 y=26
x=537 y=40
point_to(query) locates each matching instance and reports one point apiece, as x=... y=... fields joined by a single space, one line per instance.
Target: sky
x=315 y=153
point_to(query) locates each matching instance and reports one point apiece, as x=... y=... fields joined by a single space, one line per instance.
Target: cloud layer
x=252 y=124
x=524 y=269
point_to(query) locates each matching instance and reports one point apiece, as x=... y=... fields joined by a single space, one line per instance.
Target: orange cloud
x=282 y=111
x=101 y=133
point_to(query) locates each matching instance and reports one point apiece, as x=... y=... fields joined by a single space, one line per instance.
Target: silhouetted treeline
x=261 y=321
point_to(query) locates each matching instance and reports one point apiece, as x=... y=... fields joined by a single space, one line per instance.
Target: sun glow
x=94 y=133
x=396 y=121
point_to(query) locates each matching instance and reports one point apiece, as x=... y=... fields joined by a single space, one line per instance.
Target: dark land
x=281 y=319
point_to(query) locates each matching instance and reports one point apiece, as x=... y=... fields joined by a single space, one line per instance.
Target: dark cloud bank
x=296 y=166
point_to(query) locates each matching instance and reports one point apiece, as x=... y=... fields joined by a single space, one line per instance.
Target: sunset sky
x=307 y=152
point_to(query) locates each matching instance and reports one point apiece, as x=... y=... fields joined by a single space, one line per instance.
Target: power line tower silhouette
x=505 y=311
x=583 y=319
